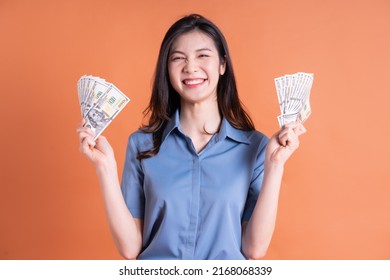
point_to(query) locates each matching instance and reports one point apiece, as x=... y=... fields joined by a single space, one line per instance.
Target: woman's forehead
x=193 y=40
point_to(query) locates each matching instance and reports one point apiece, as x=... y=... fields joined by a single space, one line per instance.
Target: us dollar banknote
x=293 y=91
x=100 y=102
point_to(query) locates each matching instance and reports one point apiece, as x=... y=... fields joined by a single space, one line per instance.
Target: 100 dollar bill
x=105 y=109
x=293 y=91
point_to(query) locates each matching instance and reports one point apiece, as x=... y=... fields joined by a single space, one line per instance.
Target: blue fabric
x=193 y=204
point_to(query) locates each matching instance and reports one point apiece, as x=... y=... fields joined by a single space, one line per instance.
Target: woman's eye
x=204 y=55
x=176 y=58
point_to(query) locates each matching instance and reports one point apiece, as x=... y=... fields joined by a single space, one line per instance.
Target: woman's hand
x=283 y=143
x=99 y=152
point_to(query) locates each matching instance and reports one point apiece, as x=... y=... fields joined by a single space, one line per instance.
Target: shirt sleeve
x=257 y=180
x=132 y=181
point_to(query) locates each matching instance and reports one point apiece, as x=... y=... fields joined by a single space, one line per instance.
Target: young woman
x=199 y=181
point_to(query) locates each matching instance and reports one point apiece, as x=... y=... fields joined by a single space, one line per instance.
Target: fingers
x=300 y=129
x=103 y=145
x=85 y=131
x=86 y=136
x=81 y=130
x=288 y=136
x=297 y=126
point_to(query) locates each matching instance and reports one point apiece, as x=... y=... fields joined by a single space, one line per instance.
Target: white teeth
x=193 y=82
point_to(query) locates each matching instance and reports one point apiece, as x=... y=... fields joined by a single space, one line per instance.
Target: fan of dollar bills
x=100 y=102
x=293 y=94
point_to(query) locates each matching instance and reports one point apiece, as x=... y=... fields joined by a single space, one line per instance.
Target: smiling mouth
x=190 y=82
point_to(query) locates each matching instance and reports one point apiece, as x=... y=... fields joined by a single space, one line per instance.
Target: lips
x=193 y=82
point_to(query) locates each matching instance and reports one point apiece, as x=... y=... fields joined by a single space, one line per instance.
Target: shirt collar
x=226 y=131
x=173 y=123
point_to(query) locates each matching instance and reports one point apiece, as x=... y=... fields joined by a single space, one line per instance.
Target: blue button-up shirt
x=193 y=204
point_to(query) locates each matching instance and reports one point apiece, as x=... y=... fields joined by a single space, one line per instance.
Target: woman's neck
x=200 y=122
x=198 y=118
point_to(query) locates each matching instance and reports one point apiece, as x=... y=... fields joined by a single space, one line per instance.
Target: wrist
x=106 y=168
x=273 y=166
x=108 y=176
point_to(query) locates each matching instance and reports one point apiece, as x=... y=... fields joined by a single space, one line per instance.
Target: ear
x=222 y=66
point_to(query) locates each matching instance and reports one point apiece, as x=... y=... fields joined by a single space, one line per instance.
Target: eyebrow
x=198 y=50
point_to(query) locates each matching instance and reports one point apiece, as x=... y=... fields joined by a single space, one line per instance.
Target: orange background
x=335 y=196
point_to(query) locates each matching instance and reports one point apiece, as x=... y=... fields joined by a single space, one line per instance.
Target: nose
x=190 y=66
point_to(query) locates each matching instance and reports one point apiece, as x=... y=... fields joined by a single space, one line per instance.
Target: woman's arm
x=126 y=230
x=258 y=231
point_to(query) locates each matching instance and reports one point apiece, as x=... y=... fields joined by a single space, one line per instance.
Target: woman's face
x=194 y=67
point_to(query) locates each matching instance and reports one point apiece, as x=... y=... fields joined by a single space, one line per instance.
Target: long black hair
x=165 y=100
